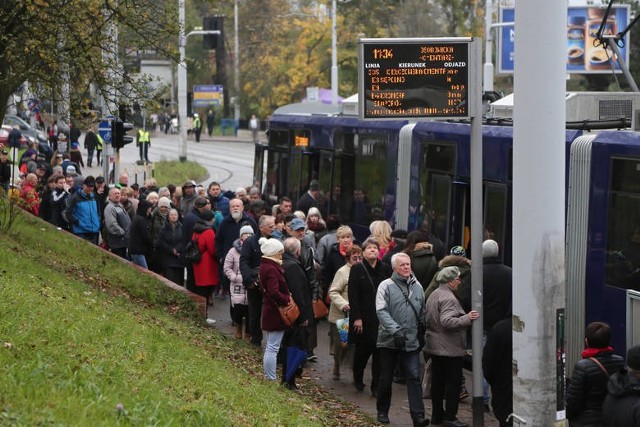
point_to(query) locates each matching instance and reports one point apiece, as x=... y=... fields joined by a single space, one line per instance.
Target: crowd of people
x=405 y=298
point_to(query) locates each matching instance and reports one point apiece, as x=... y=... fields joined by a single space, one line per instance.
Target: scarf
x=343 y=249
x=279 y=261
x=591 y=352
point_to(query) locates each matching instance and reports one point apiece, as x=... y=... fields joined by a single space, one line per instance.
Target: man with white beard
x=229 y=228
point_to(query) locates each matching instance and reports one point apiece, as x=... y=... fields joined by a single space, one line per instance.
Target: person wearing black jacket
x=5 y=169
x=140 y=242
x=588 y=385
x=298 y=284
x=622 y=405
x=90 y=143
x=364 y=279
x=250 y=257
x=169 y=242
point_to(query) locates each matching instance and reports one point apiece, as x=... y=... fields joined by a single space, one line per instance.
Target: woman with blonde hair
x=381 y=233
x=339 y=309
x=336 y=256
x=316 y=224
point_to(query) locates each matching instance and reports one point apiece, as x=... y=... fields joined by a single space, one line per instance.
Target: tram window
x=276 y=161
x=324 y=177
x=278 y=138
x=623 y=225
x=344 y=142
x=370 y=185
x=440 y=157
x=495 y=208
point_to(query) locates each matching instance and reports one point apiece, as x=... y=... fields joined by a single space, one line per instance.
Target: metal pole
x=488 y=48
x=334 y=54
x=236 y=63
x=477 y=228
x=611 y=42
x=539 y=212
x=182 y=85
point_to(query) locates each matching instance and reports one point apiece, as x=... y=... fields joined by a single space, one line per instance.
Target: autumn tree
x=44 y=41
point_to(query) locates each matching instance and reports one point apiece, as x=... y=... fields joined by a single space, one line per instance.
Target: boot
x=247 y=338
x=238 y=332
x=336 y=371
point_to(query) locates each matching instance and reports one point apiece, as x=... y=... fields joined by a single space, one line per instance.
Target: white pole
x=182 y=85
x=236 y=63
x=488 y=48
x=538 y=211
x=334 y=54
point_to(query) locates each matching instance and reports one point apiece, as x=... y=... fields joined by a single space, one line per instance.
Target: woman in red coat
x=205 y=271
x=276 y=293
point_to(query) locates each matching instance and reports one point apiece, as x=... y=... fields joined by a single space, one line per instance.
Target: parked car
x=32 y=135
x=4 y=137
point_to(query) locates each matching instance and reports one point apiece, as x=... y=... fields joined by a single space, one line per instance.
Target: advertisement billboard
x=585 y=54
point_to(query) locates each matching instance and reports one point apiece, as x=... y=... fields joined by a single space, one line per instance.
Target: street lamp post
x=334 y=54
x=236 y=63
x=182 y=79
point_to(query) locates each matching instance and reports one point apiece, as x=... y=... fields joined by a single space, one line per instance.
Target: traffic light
x=213 y=41
x=119 y=131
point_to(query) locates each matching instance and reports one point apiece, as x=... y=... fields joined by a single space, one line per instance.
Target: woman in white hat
x=239 y=303
x=276 y=293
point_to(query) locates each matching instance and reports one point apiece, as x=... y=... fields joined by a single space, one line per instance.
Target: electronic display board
x=416 y=78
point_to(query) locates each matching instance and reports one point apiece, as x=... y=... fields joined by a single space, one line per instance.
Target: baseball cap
x=296 y=224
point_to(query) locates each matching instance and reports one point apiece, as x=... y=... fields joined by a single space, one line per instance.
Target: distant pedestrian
x=254 y=125
x=197 y=126
x=211 y=118
x=90 y=144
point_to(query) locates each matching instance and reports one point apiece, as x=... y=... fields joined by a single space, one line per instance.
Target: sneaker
x=211 y=321
x=312 y=358
x=383 y=418
x=463 y=393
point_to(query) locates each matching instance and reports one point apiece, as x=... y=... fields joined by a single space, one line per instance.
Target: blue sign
x=34 y=105
x=584 y=53
x=104 y=130
x=208 y=95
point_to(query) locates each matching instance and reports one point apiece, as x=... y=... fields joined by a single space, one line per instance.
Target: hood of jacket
x=622 y=384
x=454 y=260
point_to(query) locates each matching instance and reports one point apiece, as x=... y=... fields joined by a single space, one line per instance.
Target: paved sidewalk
x=322 y=370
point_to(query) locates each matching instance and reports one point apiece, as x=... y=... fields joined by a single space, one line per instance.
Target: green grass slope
x=88 y=340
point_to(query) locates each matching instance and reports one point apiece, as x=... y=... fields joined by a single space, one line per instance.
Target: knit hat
x=489 y=248
x=633 y=358
x=164 y=201
x=447 y=274
x=246 y=229
x=459 y=251
x=270 y=247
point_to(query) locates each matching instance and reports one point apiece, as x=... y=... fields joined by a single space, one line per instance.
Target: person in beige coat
x=339 y=308
x=445 y=342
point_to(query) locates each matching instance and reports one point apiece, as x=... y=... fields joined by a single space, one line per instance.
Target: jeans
x=139 y=259
x=89 y=157
x=274 y=338
x=410 y=361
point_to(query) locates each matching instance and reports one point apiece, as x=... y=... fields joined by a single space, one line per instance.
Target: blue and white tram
x=415 y=173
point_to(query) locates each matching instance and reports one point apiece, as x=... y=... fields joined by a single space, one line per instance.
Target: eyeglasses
x=356 y=257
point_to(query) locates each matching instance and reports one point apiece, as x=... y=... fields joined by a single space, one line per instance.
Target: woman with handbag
x=276 y=294
x=339 y=309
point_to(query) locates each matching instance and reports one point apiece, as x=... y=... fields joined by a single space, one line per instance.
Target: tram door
x=436 y=190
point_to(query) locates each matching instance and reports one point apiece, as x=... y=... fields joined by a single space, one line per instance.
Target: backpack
x=191 y=253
